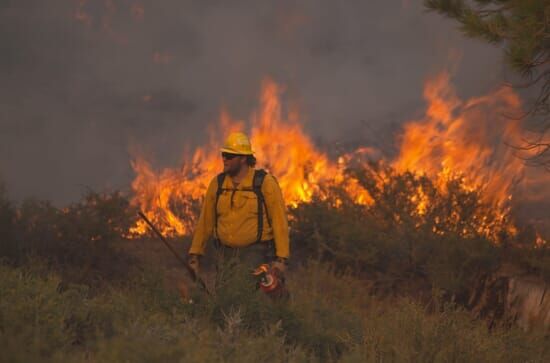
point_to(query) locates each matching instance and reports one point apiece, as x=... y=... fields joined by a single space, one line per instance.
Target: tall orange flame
x=455 y=139
x=281 y=147
x=466 y=139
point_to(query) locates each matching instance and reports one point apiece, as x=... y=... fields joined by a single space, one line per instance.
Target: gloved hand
x=194 y=263
x=280 y=265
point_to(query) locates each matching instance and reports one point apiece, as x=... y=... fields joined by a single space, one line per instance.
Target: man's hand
x=194 y=263
x=280 y=265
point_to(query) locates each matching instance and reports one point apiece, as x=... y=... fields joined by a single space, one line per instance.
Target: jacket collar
x=245 y=183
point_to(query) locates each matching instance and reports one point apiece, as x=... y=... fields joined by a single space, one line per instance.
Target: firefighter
x=243 y=211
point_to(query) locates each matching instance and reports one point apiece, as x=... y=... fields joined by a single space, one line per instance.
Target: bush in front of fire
x=79 y=241
x=447 y=244
x=329 y=318
x=376 y=285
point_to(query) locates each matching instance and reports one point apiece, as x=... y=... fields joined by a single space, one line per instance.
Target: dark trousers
x=231 y=263
x=251 y=256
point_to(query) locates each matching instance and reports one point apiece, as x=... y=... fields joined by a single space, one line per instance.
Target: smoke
x=86 y=81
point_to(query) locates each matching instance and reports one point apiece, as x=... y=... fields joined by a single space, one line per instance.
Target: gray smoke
x=84 y=82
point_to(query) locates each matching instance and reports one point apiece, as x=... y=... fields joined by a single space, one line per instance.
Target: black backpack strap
x=219 y=191
x=259 y=176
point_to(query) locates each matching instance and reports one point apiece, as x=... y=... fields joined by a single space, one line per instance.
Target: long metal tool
x=194 y=276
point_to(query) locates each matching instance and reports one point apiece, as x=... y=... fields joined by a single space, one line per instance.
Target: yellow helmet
x=237 y=143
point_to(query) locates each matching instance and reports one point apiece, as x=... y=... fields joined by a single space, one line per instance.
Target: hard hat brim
x=232 y=151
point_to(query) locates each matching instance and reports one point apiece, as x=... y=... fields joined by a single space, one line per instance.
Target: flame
x=464 y=140
x=286 y=151
x=279 y=144
x=456 y=140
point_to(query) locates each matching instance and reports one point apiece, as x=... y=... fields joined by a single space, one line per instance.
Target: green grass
x=328 y=318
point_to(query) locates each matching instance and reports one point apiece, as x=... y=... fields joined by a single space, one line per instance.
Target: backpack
x=258 y=179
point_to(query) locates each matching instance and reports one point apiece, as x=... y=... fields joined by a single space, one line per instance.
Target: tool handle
x=178 y=257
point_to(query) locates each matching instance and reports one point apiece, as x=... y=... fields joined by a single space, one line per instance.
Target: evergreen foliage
x=523 y=28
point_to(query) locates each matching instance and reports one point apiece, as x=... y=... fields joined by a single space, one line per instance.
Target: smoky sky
x=85 y=82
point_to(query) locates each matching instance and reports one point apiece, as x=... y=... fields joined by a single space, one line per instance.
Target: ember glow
x=456 y=140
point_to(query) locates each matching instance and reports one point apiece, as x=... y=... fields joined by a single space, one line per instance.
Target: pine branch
x=450 y=8
x=524 y=29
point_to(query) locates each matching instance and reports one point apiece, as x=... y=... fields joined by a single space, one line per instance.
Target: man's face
x=232 y=163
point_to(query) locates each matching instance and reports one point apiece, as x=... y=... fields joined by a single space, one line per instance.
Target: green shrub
x=80 y=240
x=327 y=309
x=39 y=322
x=32 y=315
x=328 y=318
x=404 y=332
x=345 y=235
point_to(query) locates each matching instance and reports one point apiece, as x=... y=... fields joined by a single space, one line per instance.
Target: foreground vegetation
x=328 y=318
x=369 y=287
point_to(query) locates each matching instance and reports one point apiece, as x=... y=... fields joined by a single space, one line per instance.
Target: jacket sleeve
x=276 y=210
x=205 y=225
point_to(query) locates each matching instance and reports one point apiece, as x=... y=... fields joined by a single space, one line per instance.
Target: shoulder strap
x=259 y=176
x=257 y=181
x=220 y=178
x=219 y=191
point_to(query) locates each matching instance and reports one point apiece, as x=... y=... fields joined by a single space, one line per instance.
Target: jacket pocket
x=247 y=203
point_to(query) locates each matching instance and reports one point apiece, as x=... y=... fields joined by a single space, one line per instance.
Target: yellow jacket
x=238 y=218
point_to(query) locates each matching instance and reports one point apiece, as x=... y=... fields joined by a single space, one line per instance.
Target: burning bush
x=457 y=150
x=439 y=210
x=396 y=239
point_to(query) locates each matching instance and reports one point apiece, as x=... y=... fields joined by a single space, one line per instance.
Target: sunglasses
x=229 y=156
